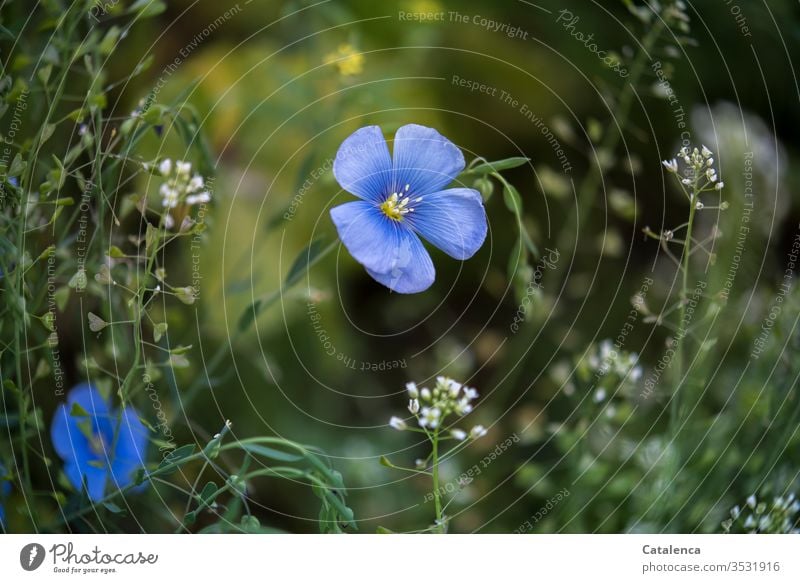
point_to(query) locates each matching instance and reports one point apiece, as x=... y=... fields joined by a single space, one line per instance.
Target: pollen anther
x=396 y=205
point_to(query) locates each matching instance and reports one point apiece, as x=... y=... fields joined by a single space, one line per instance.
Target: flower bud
x=477 y=431
x=458 y=434
x=413 y=406
x=165 y=167
x=484 y=186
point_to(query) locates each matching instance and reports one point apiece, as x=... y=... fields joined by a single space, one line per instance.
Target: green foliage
x=86 y=245
x=638 y=351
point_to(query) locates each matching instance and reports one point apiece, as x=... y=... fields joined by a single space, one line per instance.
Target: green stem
x=109 y=497
x=588 y=188
x=18 y=280
x=435 y=460
x=161 y=470
x=682 y=328
x=519 y=347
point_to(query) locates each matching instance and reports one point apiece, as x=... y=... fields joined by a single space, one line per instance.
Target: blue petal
x=131 y=448
x=81 y=462
x=363 y=166
x=453 y=220
x=72 y=446
x=85 y=395
x=412 y=269
x=391 y=252
x=94 y=477
x=121 y=476
x=366 y=232
x=424 y=159
x=68 y=440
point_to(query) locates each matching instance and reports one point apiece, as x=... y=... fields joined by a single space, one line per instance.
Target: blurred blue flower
x=402 y=198
x=99 y=446
x=5 y=490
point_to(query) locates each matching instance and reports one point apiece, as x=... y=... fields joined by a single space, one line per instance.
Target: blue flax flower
x=100 y=447
x=5 y=490
x=403 y=198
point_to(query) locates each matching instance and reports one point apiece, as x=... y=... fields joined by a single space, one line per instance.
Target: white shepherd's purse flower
x=180 y=186
x=183 y=168
x=165 y=167
x=169 y=196
x=458 y=434
x=200 y=198
x=447 y=397
x=413 y=391
x=477 y=431
x=437 y=411
x=429 y=417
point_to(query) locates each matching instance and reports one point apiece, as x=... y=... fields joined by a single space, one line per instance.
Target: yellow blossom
x=347 y=59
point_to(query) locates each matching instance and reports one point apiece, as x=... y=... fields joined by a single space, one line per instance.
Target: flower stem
x=18 y=280
x=682 y=327
x=435 y=460
x=519 y=348
x=588 y=188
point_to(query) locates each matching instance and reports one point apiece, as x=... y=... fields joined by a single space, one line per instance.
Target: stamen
x=395 y=205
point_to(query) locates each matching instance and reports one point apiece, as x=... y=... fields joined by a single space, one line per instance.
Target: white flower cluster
x=432 y=407
x=675 y=15
x=700 y=172
x=181 y=185
x=779 y=517
x=607 y=359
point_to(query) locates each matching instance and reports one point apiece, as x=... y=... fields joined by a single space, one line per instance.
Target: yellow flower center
x=396 y=205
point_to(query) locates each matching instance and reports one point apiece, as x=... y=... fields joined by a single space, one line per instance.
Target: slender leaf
x=271 y=453
x=497 y=166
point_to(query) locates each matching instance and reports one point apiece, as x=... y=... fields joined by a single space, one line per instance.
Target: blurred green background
x=276 y=112
x=276 y=103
